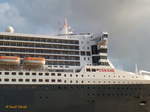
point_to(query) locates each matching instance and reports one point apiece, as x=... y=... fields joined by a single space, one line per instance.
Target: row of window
x=39 y=51
x=69 y=63
x=83 y=53
x=11 y=43
x=31 y=80
x=44 y=56
x=36 y=39
x=40 y=74
x=59 y=74
x=70 y=81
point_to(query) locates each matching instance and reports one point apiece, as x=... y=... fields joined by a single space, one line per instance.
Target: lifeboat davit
x=34 y=61
x=9 y=60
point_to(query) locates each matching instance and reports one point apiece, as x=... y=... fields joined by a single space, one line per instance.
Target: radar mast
x=66 y=29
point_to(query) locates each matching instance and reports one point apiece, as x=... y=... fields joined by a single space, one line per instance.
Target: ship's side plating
x=66 y=98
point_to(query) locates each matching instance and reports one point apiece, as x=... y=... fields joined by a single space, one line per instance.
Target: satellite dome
x=10 y=29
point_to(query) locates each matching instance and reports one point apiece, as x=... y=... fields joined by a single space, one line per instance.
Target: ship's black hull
x=75 y=98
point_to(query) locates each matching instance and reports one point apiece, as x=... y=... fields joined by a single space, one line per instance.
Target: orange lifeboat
x=9 y=60
x=34 y=61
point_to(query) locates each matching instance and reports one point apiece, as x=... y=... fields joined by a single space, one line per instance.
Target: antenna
x=136 y=69
x=66 y=29
x=66 y=26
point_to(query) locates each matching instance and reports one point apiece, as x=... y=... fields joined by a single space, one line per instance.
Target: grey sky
x=127 y=21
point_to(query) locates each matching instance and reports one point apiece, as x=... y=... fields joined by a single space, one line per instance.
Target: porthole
x=0 y=73
x=64 y=75
x=76 y=75
x=70 y=75
x=65 y=81
x=76 y=81
x=82 y=75
x=82 y=81
x=71 y=81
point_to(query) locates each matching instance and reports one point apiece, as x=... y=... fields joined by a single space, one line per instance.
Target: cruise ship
x=68 y=72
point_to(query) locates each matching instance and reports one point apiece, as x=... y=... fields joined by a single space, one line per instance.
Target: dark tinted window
x=27 y=73
x=6 y=73
x=13 y=73
x=94 y=49
x=20 y=73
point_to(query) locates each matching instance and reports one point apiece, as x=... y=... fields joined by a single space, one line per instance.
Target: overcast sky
x=127 y=21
